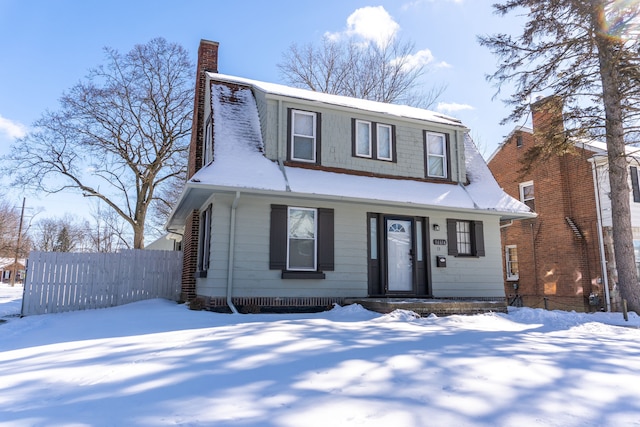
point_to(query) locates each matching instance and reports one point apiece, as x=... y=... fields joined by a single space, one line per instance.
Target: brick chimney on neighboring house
x=207 y=61
x=547 y=119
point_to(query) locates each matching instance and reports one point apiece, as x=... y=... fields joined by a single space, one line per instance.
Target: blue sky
x=48 y=46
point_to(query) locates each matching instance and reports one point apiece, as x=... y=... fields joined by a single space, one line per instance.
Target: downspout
x=603 y=261
x=279 y=145
x=232 y=244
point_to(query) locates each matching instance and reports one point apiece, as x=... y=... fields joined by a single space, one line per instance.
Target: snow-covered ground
x=157 y=363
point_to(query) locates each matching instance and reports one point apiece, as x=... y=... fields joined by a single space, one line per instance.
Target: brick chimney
x=547 y=117
x=207 y=61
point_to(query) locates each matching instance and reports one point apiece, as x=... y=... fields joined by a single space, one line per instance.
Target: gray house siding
x=336 y=139
x=463 y=276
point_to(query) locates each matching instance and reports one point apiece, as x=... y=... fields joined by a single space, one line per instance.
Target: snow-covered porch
x=438 y=306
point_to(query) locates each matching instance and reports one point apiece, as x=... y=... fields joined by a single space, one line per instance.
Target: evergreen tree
x=585 y=52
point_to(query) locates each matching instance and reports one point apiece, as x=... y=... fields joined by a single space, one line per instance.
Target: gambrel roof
x=239 y=163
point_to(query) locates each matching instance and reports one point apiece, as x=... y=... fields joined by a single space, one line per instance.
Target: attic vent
x=575 y=228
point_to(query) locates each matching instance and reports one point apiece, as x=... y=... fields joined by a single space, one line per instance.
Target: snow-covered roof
x=240 y=165
x=344 y=101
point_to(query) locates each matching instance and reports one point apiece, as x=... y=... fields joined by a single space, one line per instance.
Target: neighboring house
x=7 y=268
x=301 y=199
x=166 y=242
x=563 y=259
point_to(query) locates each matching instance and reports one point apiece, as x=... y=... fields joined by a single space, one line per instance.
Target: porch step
x=427 y=306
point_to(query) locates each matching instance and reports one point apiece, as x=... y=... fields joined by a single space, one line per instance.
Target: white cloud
x=373 y=24
x=417 y=60
x=453 y=107
x=12 y=129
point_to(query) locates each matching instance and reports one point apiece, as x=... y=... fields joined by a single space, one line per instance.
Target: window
x=363 y=139
x=526 y=194
x=636 y=252
x=385 y=138
x=633 y=171
x=465 y=238
x=304 y=139
x=373 y=140
x=207 y=144
x=511 y=262
x=436 y=151
x=204 y=243
x=301 y=241
x=519 y=141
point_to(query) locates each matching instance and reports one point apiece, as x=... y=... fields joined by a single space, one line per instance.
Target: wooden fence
x=59 y=281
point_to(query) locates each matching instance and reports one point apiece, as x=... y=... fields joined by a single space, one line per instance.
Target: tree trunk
x=618 y=166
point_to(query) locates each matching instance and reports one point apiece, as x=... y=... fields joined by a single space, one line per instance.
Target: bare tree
x=118 y=136
x=9 y=228
x=64 y=234
x=378 y=72
x=586 y=53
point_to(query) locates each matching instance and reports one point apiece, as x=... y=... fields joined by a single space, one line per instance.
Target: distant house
x=166 y=242
x=563 y=258
x=301 y=199
x=7 y=268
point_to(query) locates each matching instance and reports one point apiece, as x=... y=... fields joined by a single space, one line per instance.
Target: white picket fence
x=58 y=281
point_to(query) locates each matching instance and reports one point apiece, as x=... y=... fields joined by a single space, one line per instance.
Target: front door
x=399 y=255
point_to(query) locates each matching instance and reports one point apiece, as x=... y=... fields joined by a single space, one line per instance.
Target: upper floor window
x=436 y=151
x=373 y=140
x=511 y=262
x=526 y=194
x=207 y=144
x=519 y=141
x=304 y=136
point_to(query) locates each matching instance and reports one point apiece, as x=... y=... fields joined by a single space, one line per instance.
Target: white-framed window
x=363 y=138
x=384 y=142
x=373 y=140
x=204 y=241
x=463 y=237
x=303 y=136
x=302 y=243
x=526 y=194
x=511 y=262
x=207 y=143
x=436 y=150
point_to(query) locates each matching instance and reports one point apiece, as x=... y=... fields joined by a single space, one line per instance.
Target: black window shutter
x=325 y=240
x=634 y=183
x=452 y=237
x=278 y=238
x=478 y=235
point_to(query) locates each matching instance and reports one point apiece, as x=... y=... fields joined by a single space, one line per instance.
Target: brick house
x=300 y=199
x=562 y=259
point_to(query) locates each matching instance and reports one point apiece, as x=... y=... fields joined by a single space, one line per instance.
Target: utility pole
x=14 y=273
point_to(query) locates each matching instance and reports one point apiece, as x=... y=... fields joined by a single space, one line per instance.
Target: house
x=7 y=268
x=166 y=242
x=300 y=199
x=563 y=258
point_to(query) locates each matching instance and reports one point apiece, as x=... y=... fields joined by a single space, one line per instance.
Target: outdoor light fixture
x=436 y=227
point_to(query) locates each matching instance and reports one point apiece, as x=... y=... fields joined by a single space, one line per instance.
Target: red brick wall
x=557 y=269
x=207 y=61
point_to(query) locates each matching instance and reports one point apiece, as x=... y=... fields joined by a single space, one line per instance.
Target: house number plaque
x=441 y=242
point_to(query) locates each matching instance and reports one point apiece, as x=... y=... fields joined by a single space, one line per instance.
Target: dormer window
x=373 y=140
x=304 y=137
x=436 y=152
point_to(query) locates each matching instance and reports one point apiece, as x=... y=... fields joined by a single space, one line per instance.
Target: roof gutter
x=232 y=245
